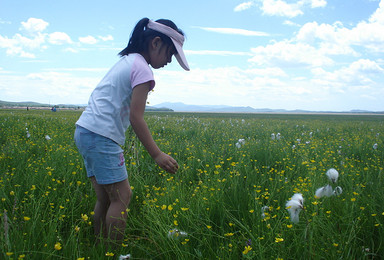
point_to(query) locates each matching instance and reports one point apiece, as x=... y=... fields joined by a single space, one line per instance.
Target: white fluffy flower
x=294 y=206
x=240 y=142
x=333 y=175
x=47 y=137
x=175 y=233
x=298 y=197
x=325 y=191
x=375 y=146
x=263 y=209
x=28 y=134
x=337 y=191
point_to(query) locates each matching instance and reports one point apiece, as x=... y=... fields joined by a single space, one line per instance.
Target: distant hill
x=181 y=107
x=22 y=104
x=31 y=104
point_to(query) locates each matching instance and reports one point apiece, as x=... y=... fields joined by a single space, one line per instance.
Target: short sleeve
x=141 y=73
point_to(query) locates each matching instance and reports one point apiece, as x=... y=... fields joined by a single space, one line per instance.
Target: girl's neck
x=146 y=57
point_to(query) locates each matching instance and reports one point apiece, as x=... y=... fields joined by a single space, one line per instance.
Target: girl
x=117 y=102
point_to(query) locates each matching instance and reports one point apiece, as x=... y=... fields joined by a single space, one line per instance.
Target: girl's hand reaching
x=167 y=163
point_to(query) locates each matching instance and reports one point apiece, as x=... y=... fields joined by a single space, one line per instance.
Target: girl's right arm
x=136 y=116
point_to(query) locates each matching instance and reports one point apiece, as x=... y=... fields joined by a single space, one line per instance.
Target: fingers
x=167 y=163
x=171 y=167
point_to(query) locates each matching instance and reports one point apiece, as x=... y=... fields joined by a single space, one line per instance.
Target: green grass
x=216 y=197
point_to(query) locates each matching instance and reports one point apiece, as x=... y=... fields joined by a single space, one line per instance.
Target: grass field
x=228 y=199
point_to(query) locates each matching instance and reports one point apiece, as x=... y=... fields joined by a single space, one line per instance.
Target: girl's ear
x=156 y=42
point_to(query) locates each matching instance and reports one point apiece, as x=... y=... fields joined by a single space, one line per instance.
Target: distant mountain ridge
x=181 y=107
x=31 y=104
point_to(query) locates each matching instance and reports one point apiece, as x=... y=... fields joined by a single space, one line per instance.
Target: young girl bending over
x=117 y=102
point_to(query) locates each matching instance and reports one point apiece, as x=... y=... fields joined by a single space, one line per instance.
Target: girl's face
x=160 y=54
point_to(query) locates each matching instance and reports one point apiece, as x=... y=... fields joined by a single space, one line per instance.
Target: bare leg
x=119 y=195
x=100 y=210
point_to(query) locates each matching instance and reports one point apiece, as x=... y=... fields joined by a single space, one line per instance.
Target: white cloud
x=336 y=39
x=378 y=16
x=72 y=50
x=59 y=38
x=319 y=44
x=218 y=53
x=287 y=54
x=234 y=31
x=366 y=66
x=329 y=39
x=281 y=8
x=88 y=39
x=318 y=3
x=243 y=6
x=34 y=25
x=233 y=86
x=358 y=75
x=106 y=38
x=290 y=23
x=368 y=35
x=96 y=70
x=33 y=38
x=15 y=46
x=50 y=86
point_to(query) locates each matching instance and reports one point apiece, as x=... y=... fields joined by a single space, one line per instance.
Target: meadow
x=227 y=201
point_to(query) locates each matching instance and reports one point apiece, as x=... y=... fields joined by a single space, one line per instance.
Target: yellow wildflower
x=58 y=246
x=279 y=239
x=84 y=217
x=247 y=249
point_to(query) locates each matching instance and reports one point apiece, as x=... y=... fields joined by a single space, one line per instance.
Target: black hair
x=142 y=35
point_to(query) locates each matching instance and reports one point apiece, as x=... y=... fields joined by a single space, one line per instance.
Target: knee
x=122 y=196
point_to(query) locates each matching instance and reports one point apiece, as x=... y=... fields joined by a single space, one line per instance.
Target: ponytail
x=141 y=36
x=135 y=43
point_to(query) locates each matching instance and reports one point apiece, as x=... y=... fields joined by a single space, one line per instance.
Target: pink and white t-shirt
x=107 y=113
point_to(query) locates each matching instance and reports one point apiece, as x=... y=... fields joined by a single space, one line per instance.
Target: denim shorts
x=103 y=158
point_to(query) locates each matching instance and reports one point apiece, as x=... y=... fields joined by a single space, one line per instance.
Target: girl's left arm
x=136 y=117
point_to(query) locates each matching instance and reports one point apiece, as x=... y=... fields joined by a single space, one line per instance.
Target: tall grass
x=217 y=197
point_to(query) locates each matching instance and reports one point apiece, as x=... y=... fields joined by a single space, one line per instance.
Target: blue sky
x=280 y=54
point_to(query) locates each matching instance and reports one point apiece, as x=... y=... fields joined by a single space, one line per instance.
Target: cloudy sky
x=279 y=54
